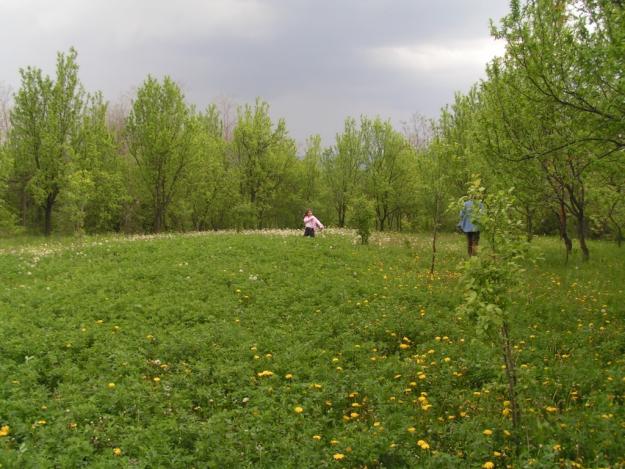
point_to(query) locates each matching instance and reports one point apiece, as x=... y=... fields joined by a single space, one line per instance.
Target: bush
x=362 y=218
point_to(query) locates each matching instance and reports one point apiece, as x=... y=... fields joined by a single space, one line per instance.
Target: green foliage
x=362 y=218
x=244 y=215
x=44 y=128
x=491 y=279
x=547 y=120
x=264 y=156
x=341 y=169
x=8 y=220
x=386 y=158
x=369 y=332
x=161 y=136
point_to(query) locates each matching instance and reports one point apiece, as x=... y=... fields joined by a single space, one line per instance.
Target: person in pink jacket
x=311 y=223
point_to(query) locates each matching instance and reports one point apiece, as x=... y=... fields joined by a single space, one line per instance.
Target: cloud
x=437 y=57
x=135 y=22
x=315 y=61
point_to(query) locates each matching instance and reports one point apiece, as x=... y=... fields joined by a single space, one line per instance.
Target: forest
x=548 y=120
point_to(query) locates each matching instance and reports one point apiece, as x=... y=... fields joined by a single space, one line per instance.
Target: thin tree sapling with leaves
x=492 y=280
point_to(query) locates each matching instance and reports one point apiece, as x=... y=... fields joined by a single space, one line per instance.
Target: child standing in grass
x=469 y=226
x=311 y=223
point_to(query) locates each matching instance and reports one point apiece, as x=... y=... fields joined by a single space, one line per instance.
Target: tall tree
x=5 y=112
x=342 y=168
x=212 y=188
x=161 y=134
x=311 y=170
x=98 y=163
x=385 y=160
x=266 y=157
x=572 y=54
x=45 y=121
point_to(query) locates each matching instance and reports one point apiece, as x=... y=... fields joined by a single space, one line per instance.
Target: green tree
x=44 y=124
x=8 y=220
x=362 y=218
x=492 y=279
x=342 y=170
x=385 y=157
x=212 y=187
x=572 y=54
x=607 y=194
x=311 y=170
x=161 y=136
x=265 y=157
x=100 y=167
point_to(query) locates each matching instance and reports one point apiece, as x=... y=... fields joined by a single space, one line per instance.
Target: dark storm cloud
x=315 y=62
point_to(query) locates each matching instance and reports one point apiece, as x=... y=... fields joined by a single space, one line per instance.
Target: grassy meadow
x=270 y=350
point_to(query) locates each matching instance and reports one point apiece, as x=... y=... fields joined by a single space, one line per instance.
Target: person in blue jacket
x=469 y=226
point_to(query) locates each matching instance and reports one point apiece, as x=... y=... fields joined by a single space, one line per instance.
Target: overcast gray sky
x=315 y=61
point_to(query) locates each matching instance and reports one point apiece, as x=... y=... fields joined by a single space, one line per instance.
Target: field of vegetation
x=249 y=350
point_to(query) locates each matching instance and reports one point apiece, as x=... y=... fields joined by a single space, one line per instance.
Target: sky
x=315 y=62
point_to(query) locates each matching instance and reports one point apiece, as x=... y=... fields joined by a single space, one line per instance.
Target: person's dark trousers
x=309 y=232
x=473 y=239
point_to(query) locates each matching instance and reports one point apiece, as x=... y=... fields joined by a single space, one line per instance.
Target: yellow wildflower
x=338 y=456
x=298 y=409
x=423 y=444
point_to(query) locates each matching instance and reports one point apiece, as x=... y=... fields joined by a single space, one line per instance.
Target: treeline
x=550 y=117
x=548 y=120
x=70 y=164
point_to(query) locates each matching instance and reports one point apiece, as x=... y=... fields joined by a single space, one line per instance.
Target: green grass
x=154 y=346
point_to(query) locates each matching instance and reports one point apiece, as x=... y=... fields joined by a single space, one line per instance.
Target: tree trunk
x=564 y=235
x=341 y=213
x=530 y=224
x=24 y=207
x=47 y=230
x=508 y=358
x=159 y=216
x=434 y=234
x=581 y=232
